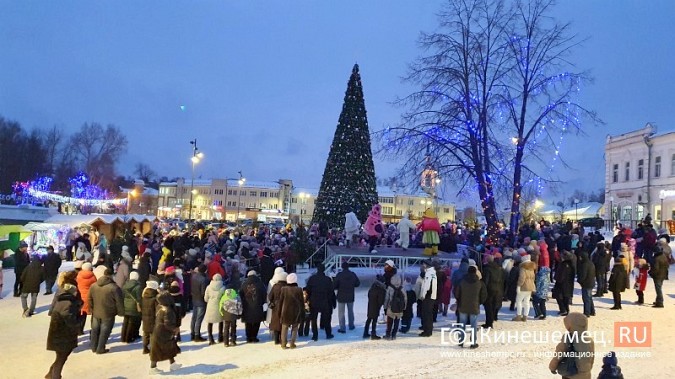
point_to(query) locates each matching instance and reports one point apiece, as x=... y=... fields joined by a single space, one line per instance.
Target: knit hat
x=283 y=277
x=472 y=262
x=126 y=256
x=525 y=258
x=133 y=275
x=278 y=270
x=251 y=273
x=78 y=264
x=170 y=270
x=152 y=284
x=217 y=278
x=86 y=266
x=99 y=271
x=192 y=252
x=389 y=262
x=292 y=279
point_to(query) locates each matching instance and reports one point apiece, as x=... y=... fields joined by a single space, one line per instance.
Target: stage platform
x=403 y=259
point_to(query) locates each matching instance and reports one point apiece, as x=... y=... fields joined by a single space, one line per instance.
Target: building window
x=641 y=164
x=672 y=165
x=251 y=205
x=411 y=202
x=387 y=210
x=446 y=210
x=263 y=206
x=294 y=200
x=399 y=212
x=627 y=175
x=231 y=203
x=615 y=173
x=252 y=194
x=263 y=194
x=657 y=167
x=387 y=200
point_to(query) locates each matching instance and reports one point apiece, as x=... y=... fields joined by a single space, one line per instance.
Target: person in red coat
x=216 y=267
x=641 y=281
x=445 y=292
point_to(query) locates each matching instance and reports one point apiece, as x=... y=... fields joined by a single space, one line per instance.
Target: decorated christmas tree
x=348 y=182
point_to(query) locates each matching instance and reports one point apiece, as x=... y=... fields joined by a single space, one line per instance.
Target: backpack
x=397 y=304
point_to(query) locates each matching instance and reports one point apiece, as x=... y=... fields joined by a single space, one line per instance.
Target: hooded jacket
x=585 y=271
x=32 y=276
x=576 y=322
x=526 y=276
x=65 y=323
x=132 y=298
x=470 y=294
x=214 y=292
x=618 y=278
x=376 y=295
x=85 y=279
x=148 y=309
x=429 y=288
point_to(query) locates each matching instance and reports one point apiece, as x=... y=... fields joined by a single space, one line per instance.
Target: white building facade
x=640 y=176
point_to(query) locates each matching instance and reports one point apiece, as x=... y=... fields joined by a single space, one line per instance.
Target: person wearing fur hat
x=230 y=309
x=576 y=325
x=641 y=280
x=132 y=309
x=610 y=367
x=291 y=306
x=252 y=298
x=345 y=282
x=524 y=288
x=214 y=292
x=617 y=281
x=64 y=326
x=31 y=278
x=322 y=300
x=273 y=302
x=162 y=341
x=105 y=301
x=148 y=310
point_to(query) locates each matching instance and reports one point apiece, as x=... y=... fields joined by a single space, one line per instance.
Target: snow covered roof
x=76 y=220
x=146 y=191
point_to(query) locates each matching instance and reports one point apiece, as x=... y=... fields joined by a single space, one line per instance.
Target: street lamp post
x=241 y=182
x=611 y=212
x=196 y=157
x=576 y=210
x=662 y=195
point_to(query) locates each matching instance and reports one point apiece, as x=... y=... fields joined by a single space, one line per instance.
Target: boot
x=210 y=332
x=517 y=318
x=220 y=332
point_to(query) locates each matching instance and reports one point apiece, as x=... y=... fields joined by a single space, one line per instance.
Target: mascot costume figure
x=373 y=227
x=432 y=229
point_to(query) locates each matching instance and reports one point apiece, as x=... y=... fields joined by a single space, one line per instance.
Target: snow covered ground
x=23 y=353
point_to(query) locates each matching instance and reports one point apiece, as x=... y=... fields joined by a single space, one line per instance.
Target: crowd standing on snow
x=154 y=280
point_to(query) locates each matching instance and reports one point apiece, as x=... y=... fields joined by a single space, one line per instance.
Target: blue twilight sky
x=263 y=81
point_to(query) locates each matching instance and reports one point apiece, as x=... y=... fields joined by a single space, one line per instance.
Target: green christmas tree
x=348 y=182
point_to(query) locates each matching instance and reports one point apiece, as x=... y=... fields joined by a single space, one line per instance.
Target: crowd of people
x=222 y=276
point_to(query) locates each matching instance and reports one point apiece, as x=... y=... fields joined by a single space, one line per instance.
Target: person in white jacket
x=352 y=226
x=404 y=227
x=428 y=295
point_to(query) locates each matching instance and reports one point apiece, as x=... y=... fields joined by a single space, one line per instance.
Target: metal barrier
x=323 y=248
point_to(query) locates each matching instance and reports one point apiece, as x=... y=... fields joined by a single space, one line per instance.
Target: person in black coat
x=144 y=269
x=64 y=327
x=493 y=277
x=376 y=295
x=162 y=341
x=617 y=281
x=601 y=260
x=321 y=300
x=21 y=261
x=345 y=283
x=252 y=300
x=52 y=265
x=564 y=283
x=512 y=283
x=266 y=266
x=31 y=278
